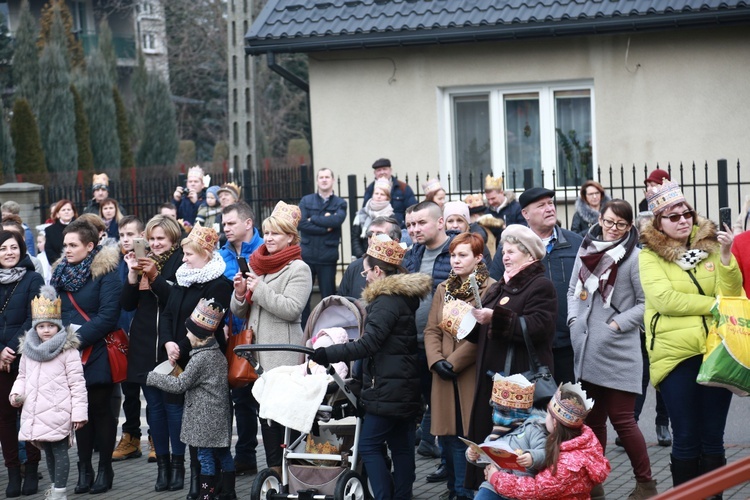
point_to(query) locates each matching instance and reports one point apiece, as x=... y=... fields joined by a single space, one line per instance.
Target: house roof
x=324 y=25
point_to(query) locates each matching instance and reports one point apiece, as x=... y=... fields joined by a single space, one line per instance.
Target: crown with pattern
x=100 y=181
x=205 y=237
x=662 y=197
x=512 y=392
x=384 y=184
x=288 y=213
x=205 y=318
x=491 y=183
x=474 y=200
x=457 y=318
x=46 y=307
x=195 y=171
x=382 y=247
x=570 y=412
x=431 y=185
x=231 y=188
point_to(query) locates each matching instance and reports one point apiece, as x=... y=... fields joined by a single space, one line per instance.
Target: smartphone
x=139 y=247
x=243 y=265
x=725 y=217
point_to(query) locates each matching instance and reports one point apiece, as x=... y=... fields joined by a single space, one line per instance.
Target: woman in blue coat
x=87 y=281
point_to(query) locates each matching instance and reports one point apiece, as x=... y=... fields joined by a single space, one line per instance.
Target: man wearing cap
x=190 y=198
x=538 y=208
x=100 y=191
x=228 y=194
x=655 y=178
x=402 y=195
x=323 y=213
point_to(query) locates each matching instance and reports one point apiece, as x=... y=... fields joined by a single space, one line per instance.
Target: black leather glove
x=444 y=370
x=320 y=356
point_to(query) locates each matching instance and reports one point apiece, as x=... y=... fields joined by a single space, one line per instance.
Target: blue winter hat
x=214 y=190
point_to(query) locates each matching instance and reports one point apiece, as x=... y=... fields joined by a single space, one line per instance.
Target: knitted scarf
x=72 y=277
x=508 y=275
x=372 y=210
x=41 y=351
x=12 y=275
x=263 y=262
x=599 y=260
x=212 y=270
x=455 y=289
x=159 y=260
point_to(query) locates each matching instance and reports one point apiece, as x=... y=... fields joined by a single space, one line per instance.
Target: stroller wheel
x=267 y=484
x=349 y=487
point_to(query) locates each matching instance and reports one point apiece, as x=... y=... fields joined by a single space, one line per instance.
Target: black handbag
x=538 y=374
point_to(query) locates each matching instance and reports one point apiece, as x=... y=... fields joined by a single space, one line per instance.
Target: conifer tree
x=28 y=146
x=83 y=141
x=107 y=48
x=26 y=58
x=100 y=110
x=7 y=152
x=138 y=84
x=159 y=146
x=123 y=133
x=74 y=45
x=56 y=111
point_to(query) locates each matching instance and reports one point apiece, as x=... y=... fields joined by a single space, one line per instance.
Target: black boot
x=177 y=475
x=208 y=487
x=195 y=478
x=227 y=486
x=14 y=483
x=85 y=477
x=163 y=472
x=683 y=470
x=104 y=478
x=30 y=480
x=709 y=463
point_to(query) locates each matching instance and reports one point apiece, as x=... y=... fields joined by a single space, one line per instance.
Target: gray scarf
x=11 y=275
x=37 y=350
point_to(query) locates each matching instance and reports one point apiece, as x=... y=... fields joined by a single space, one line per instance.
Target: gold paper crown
x=289 y=213
x=205 y=237
x=431 y=185
x=662 y=197
x=491 y=183
x=455 y=312
x=474 y=200
x=513 y=392
x=384 y=248
x=232 y=188
x=195 y=171
x=205 y=318
x=570 y=412
x=100 y=181
x=47 y=305
x=383 y=184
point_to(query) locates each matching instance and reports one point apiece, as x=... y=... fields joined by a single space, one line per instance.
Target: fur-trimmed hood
x=491 y=222
x=417 y=285
x=104 y=262
x=587 y=212
x=702 y=237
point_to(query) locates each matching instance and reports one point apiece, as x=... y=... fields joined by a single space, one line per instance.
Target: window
x=526 y=134
x=235 y=134
x=149 y=41
x=234 y=68
x=248 y=133
x=79 y=17
x=234 y=34
x=247 y=100
x=234 y=101
x=147 y=8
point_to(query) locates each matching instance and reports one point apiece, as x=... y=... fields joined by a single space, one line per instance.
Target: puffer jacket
x=389 y=346
x=580 y=467
x=16 y=318
x=677 y=314
x=54 y=393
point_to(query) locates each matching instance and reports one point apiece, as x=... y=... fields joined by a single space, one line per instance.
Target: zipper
x=156 y=349
x=654 y=321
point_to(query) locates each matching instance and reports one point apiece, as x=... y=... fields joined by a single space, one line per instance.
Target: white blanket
x=290 y=398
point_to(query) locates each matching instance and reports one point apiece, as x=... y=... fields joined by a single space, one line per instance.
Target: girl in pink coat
x=50 y=387
x=574 y=463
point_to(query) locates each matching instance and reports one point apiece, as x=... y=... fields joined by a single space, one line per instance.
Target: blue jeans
x=208 y=463
x=698 y=413
x=454 y=452
x=164 y=421
x=399 y=435
x=246 y=418
x=485 y=494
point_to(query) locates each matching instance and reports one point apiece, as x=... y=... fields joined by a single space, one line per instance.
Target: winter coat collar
x=702 y=237
x=586 y=212
x=416 y=285
x=104 y=262
x=30 y=345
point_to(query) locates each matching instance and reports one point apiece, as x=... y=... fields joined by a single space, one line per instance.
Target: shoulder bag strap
x=700 y=290
x=87 y=351
x=534 y=363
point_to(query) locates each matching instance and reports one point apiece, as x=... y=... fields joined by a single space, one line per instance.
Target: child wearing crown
x=50 y=387
x=206 y=421
x=574 y=461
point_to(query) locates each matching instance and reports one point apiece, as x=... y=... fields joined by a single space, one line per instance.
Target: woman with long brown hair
x=63 y=214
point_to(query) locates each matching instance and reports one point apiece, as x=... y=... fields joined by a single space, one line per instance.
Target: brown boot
x=644 y=490
x=151 y=450
x=128 y=447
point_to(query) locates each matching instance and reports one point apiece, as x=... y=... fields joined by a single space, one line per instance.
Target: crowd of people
x=607 y=306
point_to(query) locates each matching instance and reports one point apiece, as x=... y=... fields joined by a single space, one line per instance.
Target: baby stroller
x=315 y=466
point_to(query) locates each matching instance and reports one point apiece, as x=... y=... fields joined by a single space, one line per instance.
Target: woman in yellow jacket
x=685 y=264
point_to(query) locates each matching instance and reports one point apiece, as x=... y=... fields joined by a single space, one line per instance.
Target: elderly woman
x=588 y=205
x=149 y=285
x=201 y=276
x=684 y=265
x=524 y=292
x=19 y=283
x=452 y=362
x=272 y=297
x=605 y=312
x=87 y=281
x=63 y=213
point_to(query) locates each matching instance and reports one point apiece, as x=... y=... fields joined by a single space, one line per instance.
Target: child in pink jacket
x=50 y=387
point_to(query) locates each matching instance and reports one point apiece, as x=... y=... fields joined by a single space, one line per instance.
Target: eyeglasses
x=608 y=223
x=364 y=273
x=688 y=215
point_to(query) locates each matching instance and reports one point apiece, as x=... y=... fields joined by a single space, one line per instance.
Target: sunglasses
x=688 y=215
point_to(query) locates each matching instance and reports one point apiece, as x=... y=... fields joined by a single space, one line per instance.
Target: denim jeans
x=399 y=435
x=487 y=494
x=454 y=452
x=698 y=413
x=208 y=456
x=164 y=421
x=246 y=420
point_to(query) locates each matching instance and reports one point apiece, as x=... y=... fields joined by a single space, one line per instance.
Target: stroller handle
x=242 y=348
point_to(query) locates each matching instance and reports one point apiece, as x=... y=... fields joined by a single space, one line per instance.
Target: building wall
x=679 y=96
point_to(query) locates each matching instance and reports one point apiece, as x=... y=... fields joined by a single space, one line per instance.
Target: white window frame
x=496 y=93
x=149 y=42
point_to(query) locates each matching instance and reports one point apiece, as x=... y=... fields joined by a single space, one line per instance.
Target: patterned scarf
x=599 y=260
x=72 y=277
x=12 y=275
x=264 y=263
x=690 y=259
x=159 y=260
x=455 y=289
x=212 y=270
